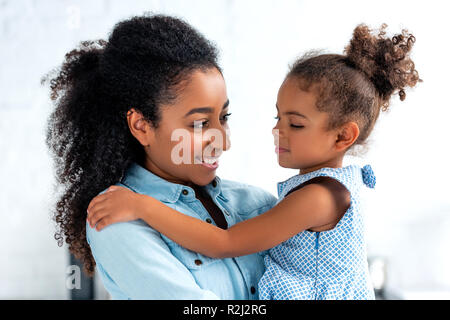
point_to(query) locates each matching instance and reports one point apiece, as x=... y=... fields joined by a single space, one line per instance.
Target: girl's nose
x=276 y=132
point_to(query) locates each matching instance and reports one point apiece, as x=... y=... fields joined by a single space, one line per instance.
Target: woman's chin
x=203 y=180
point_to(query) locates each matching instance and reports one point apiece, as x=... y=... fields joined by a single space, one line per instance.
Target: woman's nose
x=226 y=140
x=218 y=139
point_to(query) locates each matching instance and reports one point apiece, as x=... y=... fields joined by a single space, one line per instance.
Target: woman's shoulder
x=129 y=231
x=118 y=232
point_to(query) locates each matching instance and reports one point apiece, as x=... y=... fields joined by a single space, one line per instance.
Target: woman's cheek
x=227 y=138
x=179 y=149
x=196 y=148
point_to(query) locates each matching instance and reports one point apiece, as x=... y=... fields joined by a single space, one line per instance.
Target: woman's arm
x=311 y=206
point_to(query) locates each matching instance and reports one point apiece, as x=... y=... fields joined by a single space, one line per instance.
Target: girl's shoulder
x=352 y=177
x=333 y=190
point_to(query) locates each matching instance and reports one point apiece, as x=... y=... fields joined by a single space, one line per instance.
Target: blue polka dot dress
x=328 y=264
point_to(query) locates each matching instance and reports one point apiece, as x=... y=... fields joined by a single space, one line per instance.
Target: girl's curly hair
x=141 y=66
x=355 y=86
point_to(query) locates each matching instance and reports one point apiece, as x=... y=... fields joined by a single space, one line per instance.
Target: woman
x=119 y=104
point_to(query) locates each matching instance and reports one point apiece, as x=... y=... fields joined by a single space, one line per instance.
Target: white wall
x=408 y=213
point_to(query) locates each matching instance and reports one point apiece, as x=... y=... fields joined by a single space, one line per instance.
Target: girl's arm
x=309 y=207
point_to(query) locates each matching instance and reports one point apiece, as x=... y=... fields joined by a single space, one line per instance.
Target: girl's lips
x=280 y=150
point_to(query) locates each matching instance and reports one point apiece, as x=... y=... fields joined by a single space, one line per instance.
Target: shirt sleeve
x=271 y=202
x=138 y=261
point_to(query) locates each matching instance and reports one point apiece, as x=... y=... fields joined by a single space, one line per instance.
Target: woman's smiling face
x=192 y=133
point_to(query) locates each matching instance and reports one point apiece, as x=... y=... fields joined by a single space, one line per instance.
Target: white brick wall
x=408 y=214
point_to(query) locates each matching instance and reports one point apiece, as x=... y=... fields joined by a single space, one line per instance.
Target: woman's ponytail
x=82 y=144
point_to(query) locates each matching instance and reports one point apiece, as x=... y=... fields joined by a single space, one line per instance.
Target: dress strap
x=352 y=177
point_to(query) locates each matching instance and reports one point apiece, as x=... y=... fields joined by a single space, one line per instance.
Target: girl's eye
x=277 y=118
x=296 y=127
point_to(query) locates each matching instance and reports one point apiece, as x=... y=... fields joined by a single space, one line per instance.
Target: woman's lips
x=210 y=163
x=280 y=150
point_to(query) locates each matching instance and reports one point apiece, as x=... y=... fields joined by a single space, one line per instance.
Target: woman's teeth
x=210 y=160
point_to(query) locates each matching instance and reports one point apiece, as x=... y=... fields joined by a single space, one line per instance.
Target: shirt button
x=185 y=192
x=198 y=262
x=252 y=290
x=214 y=183
x=208 y=220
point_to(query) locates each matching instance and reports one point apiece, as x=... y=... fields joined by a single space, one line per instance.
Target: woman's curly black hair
x=355 y=86
x=141 y=66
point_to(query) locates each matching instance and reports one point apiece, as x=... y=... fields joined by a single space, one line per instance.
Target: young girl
x=326 y=104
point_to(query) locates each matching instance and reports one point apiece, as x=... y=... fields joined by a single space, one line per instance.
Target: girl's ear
x=140 y=128
x=347 y=135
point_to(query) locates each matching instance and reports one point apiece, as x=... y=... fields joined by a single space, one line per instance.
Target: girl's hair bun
x=385 y=61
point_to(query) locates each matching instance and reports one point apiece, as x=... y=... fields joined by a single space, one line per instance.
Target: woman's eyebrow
x=206 y=109
x=295 y=113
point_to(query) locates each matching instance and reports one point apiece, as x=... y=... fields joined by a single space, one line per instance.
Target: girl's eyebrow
x=206 y=109
x=295 y=113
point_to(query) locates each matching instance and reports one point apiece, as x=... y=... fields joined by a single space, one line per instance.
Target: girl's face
x=301 y=139
x=193 y=132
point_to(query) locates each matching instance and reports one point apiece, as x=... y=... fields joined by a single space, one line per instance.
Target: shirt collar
x=143 y=181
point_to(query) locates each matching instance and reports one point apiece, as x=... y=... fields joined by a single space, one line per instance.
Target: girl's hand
x=117 y=204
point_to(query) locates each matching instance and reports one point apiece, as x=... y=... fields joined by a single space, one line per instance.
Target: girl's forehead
x=292 y=96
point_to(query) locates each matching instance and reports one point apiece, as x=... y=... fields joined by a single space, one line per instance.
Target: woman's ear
x=139 y=127
x=347 y=135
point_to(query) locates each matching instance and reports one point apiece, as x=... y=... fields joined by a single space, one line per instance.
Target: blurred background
x=407 y=214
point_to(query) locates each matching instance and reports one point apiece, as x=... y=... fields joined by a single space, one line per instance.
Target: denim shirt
x=135 y=261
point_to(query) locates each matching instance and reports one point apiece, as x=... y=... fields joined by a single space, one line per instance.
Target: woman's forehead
x=204 y=91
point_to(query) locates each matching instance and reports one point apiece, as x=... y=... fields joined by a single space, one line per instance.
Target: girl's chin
x=287 y=165
x=283 y=164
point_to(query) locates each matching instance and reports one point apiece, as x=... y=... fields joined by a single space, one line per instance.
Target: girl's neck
x=332 y=163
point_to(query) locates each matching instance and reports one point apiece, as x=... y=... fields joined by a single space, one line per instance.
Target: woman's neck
x=153 y=168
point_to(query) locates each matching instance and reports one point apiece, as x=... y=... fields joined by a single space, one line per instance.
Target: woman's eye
x=277 y=118
x=202 y=124
x=225 y=117
x=296 y=126
x=199 y=124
